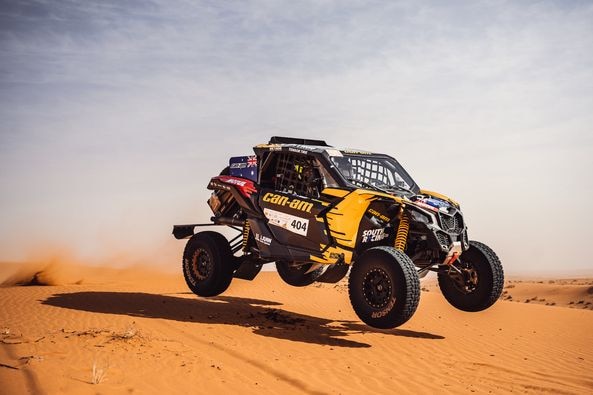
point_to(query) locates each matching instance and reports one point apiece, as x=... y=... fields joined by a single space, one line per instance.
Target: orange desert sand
x=135 y=330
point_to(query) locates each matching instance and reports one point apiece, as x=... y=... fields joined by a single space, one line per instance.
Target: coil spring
x=246 y=229
x=401 y=238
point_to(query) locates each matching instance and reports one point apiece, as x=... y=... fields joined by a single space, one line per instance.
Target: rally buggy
x=317 y=211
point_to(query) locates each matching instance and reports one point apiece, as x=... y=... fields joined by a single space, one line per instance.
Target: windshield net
x=383 y=173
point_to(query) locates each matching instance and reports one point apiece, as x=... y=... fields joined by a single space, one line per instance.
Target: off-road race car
x=319 y=212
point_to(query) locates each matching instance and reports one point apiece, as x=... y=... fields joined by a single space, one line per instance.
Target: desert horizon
x=59 y=271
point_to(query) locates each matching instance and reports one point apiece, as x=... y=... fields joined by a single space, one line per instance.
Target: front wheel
x=208 y=264
x=384 y=287
x=476 y=280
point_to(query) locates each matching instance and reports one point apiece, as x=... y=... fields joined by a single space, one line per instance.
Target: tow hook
x=454 y=252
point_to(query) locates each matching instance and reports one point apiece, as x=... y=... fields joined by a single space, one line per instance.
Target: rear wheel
x=208 y=264
x=298 y=274
x=384 y=287
x=476 y=280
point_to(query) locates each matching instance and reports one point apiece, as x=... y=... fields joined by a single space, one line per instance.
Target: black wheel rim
x=377 y=288
x=466 y=280
x=201 y=264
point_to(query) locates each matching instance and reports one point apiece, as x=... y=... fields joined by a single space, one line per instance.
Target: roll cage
x=322 y=158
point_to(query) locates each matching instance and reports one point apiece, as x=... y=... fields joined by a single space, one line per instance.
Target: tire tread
x=222 y=253
x=412 y=295
x=497 y=282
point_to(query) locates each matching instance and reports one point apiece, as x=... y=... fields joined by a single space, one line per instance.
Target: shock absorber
x=401 y=238
x=246 y=229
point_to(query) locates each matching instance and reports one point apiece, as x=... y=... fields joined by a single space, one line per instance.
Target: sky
x=114 y=115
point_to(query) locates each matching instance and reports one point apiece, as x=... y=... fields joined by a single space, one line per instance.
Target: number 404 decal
x=289 y=222
x=299 y=224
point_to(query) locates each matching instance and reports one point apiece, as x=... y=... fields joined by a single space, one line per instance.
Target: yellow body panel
x=344 y=220
x=333 y=255
x=335 y=192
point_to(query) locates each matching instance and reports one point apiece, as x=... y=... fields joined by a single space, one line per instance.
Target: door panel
x=292 y=219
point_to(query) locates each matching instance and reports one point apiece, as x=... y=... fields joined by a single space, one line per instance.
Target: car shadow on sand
x=262 y=316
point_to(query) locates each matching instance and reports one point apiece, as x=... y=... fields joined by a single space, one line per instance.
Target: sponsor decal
x=297 y=150
x=385 y=311
x=235 y=181
x=263 y=239
x=356 y=152
x=420 y=203
x=377 y=214
x=246 y=187
x=435 y=202
x=334 y=152
x=371 y=235
x=238 y=165
x=217 y=185
x=303 y=147
x=285 y=201
x=289 y=222
x=432 y=204
x=187 y=264
x=269 y=146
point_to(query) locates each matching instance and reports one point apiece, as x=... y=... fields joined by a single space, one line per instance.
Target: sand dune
x=573 y=293
x=138 y=331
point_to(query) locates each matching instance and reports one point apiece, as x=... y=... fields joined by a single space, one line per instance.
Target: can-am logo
x=371 y=235
x=285 y=201
x=377 y=214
